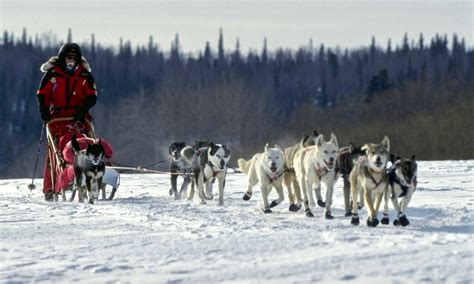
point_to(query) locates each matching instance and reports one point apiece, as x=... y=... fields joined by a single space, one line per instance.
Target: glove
x=45 y=114
x=89 y=102
x=79 y=116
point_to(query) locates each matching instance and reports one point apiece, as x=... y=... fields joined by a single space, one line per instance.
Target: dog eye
x=334 y=152
x=325 y=152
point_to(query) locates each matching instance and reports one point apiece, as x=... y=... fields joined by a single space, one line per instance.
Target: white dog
x=369 y=175
x=315 y=164
x=267 y=168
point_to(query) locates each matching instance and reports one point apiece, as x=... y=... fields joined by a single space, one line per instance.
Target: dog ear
x=266 y=147
x=320 y=139
x=365 y=148
x=315 y=133
x=333 y=139
x=226 y=151
x=413 y=157
x=386 y=143
x=277 y=146
x=352 y=147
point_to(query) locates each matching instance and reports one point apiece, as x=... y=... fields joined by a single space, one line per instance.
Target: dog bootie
x=328 y=215
x=273 y=204
x=267 y=210
x=309 y=213
x=355 y=220
x=49 y=196
x=372 y=222
x=348 y=213
x=385 y=220
x=321 y=203
x=247 y=196
x=294 y=207
x=403 y=220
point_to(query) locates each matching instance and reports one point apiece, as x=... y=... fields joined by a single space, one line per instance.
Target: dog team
x=303 y=168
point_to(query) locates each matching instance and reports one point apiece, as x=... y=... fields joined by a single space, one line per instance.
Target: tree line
x=418 y=92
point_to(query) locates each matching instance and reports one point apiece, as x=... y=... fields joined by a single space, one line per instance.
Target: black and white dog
x=208 y=164
x=89 y=165
x=178 y=167
x=402 y=181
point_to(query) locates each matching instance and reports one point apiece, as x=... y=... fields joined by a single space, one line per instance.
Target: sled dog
x=89 y=165
x=289 y=178
x=369 y=176
x=178 y=167
x=267 y=168
x=314 y=165
x=346 y=158
x=402 y=180
x=208 y=164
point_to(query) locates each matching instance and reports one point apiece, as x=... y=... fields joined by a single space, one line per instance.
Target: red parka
x=65 y=94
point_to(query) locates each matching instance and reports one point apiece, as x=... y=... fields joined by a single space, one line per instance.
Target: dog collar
x=273 y=177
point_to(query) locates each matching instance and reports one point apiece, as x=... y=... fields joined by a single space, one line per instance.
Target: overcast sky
x=284 y=23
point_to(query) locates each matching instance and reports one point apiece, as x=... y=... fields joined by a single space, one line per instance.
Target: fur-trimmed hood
x=48 y=65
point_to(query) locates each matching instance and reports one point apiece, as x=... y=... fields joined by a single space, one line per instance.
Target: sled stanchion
x=32 y=185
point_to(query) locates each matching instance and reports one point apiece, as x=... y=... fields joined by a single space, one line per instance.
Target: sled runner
x=59 y=132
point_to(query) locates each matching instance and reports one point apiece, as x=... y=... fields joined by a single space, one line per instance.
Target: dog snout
x=331 y=160
x=222 y=164
x=273 y=164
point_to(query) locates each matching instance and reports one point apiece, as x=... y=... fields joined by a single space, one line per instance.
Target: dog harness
x=274 y=177
x=214 y=173
x=320 y=172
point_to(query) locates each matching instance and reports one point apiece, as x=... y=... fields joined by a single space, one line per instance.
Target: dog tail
x=188 y=153
x=75 y=144
x=244 y=165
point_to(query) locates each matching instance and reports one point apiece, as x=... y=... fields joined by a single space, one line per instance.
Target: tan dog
x=369 y=176
x=316 y=164
x=289 y=177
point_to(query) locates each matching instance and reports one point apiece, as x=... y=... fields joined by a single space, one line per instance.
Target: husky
x=289 y=178
x=402 y=180
x=314 y=165
x=346 y=158
x=208 y=164
x=369 y=176
x=178 y=167
x=268 y=169
x=89 y=165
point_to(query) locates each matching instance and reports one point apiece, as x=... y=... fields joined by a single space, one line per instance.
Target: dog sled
x=59 y=132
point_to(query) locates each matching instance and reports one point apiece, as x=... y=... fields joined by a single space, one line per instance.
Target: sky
x=287 y=24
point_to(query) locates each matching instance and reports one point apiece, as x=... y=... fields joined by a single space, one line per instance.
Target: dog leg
x=221 y=190
x=347 y=196
x=287 y=180
x=265 y=193
x=191 y=192
x=279 y=189
x=329 y=193
x=372 y=220
x=208 y=194
x=319 y=197
x=89 y=190
x=309 y=192
x=184 y=187
x=174 y=182
x=63 y=194
x=385 y=220
x=297 y=189
x=355 y=195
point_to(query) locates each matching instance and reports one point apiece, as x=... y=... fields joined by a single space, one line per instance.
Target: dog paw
x=396 y=222
x=403 y=220
x=372 y=222
x=273 y=204
x=348 y=213
x=267 y=210
x=360 y=206
x=385 y=220
x=309 y=213
x=208 y=195
x=355 y=221
x=247 y=196
x=203 y=202
x=321 y=203
x=328 y=215
x=294 y=207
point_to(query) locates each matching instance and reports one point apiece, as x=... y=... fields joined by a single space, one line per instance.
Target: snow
x=145 y=236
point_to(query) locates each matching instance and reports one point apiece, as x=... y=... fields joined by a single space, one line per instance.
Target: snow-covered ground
x=145 y=236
